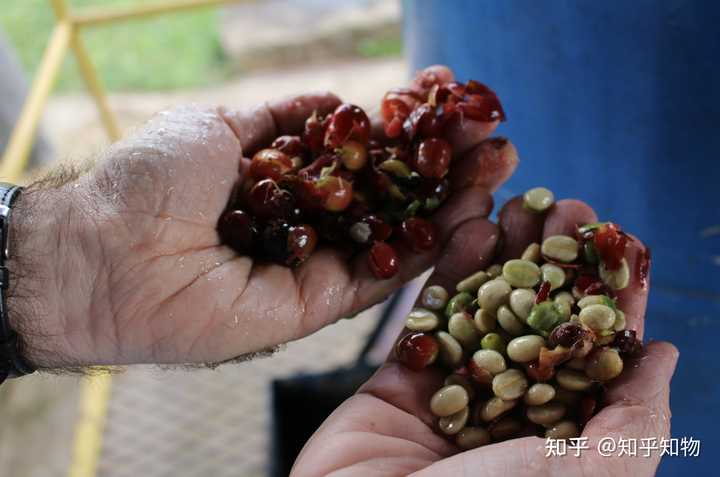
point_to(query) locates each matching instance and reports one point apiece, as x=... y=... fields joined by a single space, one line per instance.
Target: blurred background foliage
x=135 y=55
x=142 y=54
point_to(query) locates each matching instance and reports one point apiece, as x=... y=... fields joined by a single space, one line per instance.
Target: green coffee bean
x=590 y=300
x=510 y=384
x=525 y=349
x=563 y=430
x=396 y=167
x=472 y=437
x=538 y=199
x=597 y=317
x=451 y=353
x=494 y=271
x=553 y=274
x=420 y=319
x=489 y=360
x=604 y=365
x=560 y=248
x=434 y=298
x=460 y=302
x=505 y=428
x=494 y=407
x=493 y=294
x=544 y=316
x=564 y=309
x=521 y=273
x=532 y=253
x=473 y=282
x=448 y=400
x=620 y=322
x=538 y=394
x=493 y=341
x=573 y=380
x=451 y=425
x=521 y=302
x=462 y=328
x=509 y=322
x=461 y=381
x=564 y=296
x=546 y=414
x=615 y=279
x=485 y=322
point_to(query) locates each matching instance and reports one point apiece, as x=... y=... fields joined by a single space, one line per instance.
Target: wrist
x=47 y=265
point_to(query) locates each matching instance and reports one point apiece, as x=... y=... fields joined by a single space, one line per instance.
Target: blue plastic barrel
x=617 y=103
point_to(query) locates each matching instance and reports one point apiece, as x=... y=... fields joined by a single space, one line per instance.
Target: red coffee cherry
x=336 y=192
x=269 y=164
x=237 y=230
x=383 y=260
x=346 y=123
x=301 y=243
x=314 y=133
x=417 y=351
x=432 y=158
x=268 y=201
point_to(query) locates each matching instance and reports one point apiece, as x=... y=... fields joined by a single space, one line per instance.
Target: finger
x=488 y=165
x=464 y=134
x=639 y=408
x=566 y=215
x=632 y=300
x=646 y=377
x=519 y=227
x=257 y=127
x=441 y=74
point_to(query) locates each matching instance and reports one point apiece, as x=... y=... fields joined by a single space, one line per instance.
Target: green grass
x=380 y=47
x=176 y=50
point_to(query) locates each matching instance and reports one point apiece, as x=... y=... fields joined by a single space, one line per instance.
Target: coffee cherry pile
x=528 y=345
x=335 y=185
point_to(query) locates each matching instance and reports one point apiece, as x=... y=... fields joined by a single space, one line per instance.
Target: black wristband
x=12 y=363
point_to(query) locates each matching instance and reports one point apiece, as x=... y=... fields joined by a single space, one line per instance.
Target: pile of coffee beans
x=335 y=184
x=528 y=344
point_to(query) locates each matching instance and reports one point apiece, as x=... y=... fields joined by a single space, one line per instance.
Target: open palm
x=168 y=291
x=386 y=429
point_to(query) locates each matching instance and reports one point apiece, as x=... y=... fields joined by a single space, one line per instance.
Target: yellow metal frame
x=95 y=391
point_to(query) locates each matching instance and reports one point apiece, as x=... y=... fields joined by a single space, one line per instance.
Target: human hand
x=127 y=266
x=387 y=429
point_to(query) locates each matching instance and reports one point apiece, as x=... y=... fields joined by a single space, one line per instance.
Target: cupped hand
x=143 y=276
x=386 y=429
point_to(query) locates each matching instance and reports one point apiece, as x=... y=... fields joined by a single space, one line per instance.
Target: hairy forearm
x=45 y=268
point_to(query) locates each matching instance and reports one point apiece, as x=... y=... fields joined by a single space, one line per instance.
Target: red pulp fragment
x=610 y=245
x=419 y=234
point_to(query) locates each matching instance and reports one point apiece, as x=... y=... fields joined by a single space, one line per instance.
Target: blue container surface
x=616 y=103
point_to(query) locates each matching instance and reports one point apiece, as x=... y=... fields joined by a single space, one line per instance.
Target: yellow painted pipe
x=96 y=16
x=20 y=144
x=94 y=397
x=61 y=9
x=95 y=87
